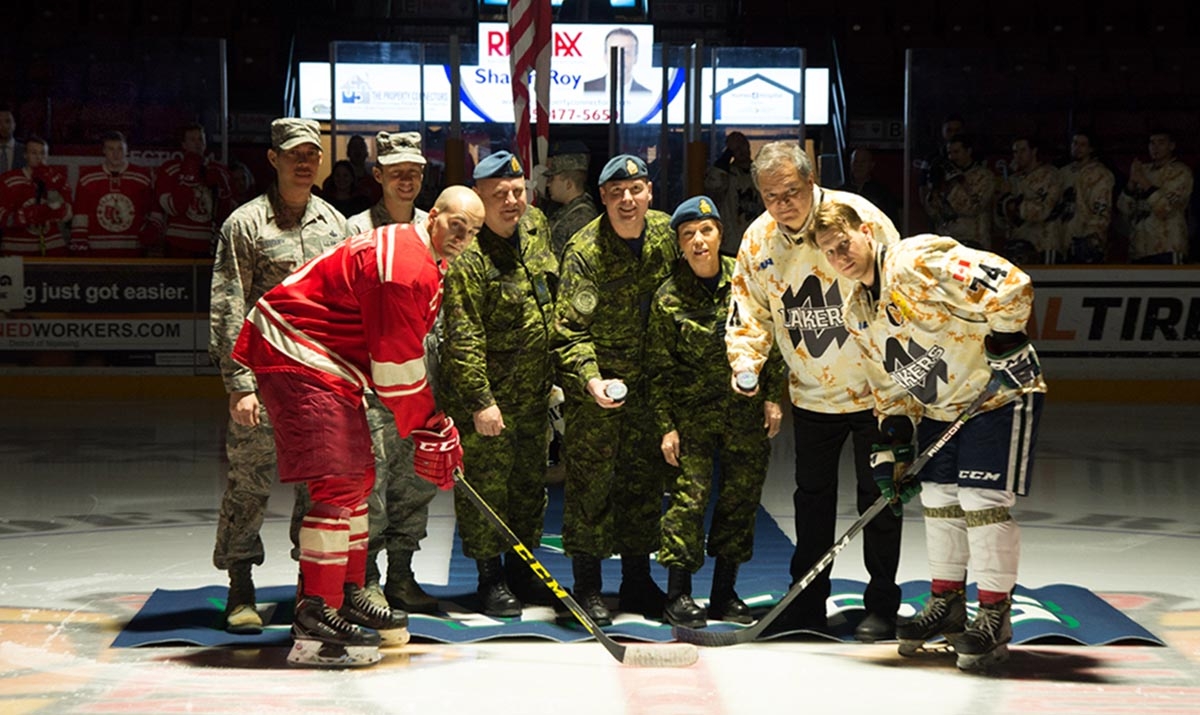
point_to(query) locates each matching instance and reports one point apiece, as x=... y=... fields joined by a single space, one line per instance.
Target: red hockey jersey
x=115 y=214
x=355 y=317
x=21 y=193
x=195 y=206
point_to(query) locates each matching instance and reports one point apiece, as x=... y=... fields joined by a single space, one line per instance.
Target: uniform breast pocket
x=277 y=259
x=698 y=337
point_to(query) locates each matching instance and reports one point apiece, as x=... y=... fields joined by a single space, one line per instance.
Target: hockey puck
x=747 y=381
x=616 y=391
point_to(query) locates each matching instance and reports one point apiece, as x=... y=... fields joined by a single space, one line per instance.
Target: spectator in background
x=566 y=183
x=12 y=152
x=357 y=154
x=341 y=190
x=116 y=215
x=196 y=194
x=35 y=203
x=728 y=182
x=1154 y=201
x=243 y=183
x=862 y=182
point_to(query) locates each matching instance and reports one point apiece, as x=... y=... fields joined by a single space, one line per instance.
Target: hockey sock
x=324 y=543
x=942 y=586
x=356 y=561
x=990 y=597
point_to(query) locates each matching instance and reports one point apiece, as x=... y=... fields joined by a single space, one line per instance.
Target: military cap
x=559 y=163
x=501 y=165
x=290 y=132
x=694 y=209
x=623 y=166
x=400 y=146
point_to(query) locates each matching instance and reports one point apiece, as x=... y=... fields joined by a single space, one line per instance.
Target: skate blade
x=394 y=637
x=913 y=648
x=982 y=661
x=315 y=654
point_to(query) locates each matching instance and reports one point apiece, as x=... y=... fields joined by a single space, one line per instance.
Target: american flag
x=529 y=42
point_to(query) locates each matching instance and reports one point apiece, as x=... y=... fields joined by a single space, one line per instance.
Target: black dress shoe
x=875 y=628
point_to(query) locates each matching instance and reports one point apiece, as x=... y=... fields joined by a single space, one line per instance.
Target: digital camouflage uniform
x=690 y=393
x=398 y=508
x=497 y=305
x=569 y=218
x=254 y=255
x=614 y=466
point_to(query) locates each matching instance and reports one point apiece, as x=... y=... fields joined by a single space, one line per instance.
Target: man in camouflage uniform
x=566 y=176
x=496 y=376
x=1087 y=202
x=961 y=197
x=610 y=270
x=399 y=503
x=1030 y=196
x=260 y=244
x=704 y=424
x=1154 y=201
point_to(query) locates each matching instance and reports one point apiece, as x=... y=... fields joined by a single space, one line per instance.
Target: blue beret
x=623 y=166
x=501 y=165
x=694 y=209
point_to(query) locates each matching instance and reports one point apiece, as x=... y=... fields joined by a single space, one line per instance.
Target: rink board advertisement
x=85 y=315
x=580 y=64
x=1117 y=323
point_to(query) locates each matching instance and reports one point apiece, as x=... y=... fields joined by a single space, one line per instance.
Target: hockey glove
x=34 y=215
x=438 y=451
x=1012 y=356
x=890 y=458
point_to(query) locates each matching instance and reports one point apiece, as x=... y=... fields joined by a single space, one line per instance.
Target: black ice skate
x=985 y=642
x=359 y=609
x=944 y=615
x=323 y=639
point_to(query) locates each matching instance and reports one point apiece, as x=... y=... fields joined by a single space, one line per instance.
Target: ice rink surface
x=106 y=501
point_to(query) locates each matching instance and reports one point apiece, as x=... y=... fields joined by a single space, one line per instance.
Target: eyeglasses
x=786 y=196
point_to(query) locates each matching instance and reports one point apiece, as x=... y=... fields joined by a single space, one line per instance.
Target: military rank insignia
x=631 y=167
x=516 y=165
x=705 y=207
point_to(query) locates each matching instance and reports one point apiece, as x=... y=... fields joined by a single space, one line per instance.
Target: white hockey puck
x=747 y=381
x=616 y=391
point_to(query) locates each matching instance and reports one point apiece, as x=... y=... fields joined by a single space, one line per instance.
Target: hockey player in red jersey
x=352 y=319
x=115 y=212
x=34 y=202
x=196 y=193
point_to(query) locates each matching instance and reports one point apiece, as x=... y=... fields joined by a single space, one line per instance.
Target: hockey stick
x=668 y=655
x=745 y=635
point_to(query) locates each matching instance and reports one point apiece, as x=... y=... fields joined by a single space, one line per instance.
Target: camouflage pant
x=251 y=454
x=399 y=503
x=614 y=467
x=734 y=442
x=509 y=472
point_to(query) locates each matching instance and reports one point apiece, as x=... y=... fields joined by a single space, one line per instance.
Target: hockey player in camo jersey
x=260 y=243
x=785 y=294
x=496 y=373
x=615 y=472
x=703 y=424
x=1027 y=205
x=937 y=320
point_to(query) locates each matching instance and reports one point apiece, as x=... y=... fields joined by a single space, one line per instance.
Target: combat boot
x=680 y=609
x=723 y=603
x=587 y=588
x=241 y=612
x=985 y=641
x=639 y=593
x=945 y=614
x=371 y=586
x=402 y=590
x=498 y=600
x=525 y=584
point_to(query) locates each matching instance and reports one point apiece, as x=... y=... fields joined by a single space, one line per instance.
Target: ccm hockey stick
x=745 y=635
x=654 y=656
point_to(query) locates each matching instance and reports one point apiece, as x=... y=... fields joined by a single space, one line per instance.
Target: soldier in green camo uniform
x=566 y=183
x=260 y=244
x=496 y=377
x=702 y=421
x=615 y=473
x=399 y=504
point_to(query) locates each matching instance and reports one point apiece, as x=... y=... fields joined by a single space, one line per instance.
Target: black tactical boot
x=526 y=584
x=498 y=601
x=723 y=603
x=402 y=590
x=587 y=588
x=680 y=609
x=639 y=593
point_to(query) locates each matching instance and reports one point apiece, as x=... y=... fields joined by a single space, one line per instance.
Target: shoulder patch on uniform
x=585 y=299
